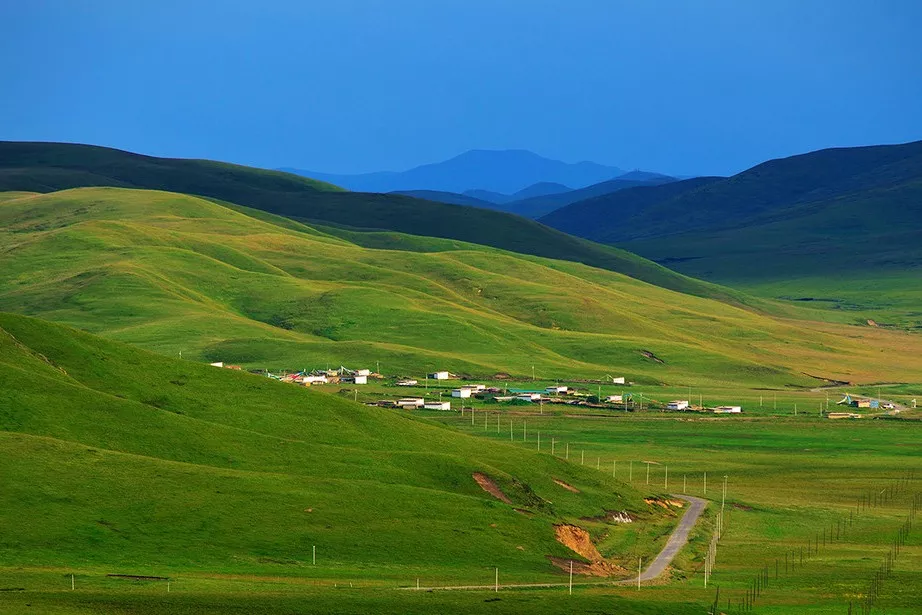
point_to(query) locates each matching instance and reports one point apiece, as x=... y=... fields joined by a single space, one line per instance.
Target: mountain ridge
x=501 y=171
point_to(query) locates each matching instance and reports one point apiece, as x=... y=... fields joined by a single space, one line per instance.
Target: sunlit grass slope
x=119 y=459
x=178 y=273
x=46 y=167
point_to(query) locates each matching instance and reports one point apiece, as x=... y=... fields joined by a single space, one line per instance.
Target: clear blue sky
x=692 y=87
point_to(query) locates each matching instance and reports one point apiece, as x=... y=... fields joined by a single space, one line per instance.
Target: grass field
x=788 y=479
x=175 y=273
x=224 y=482
x=119 y=460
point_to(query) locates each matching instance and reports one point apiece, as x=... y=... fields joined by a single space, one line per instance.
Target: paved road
x=677 y=540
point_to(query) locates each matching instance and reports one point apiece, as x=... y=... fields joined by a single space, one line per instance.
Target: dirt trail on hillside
x=486 y=483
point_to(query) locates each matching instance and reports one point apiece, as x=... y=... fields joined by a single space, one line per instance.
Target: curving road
x=677 y=540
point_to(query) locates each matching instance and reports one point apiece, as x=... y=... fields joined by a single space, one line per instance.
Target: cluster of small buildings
x=342 y=375
x=858 y=402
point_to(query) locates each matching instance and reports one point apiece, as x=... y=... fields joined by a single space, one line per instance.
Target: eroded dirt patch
x=667 y=504
x=577 y=539
x=486 y=483
x=566 y=486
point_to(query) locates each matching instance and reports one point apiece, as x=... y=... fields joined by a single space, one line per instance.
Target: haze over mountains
x=502 y=171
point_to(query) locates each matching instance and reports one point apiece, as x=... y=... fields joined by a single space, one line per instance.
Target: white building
x=529 y=396
x=407 y=383
x=357 y=379
x=411 y=402
x=462 y=392
x=728 y=410
x=217 y=364
x=438 y=405
x=439 y=375
x=680 y=404
x=314 y=379
x=618 y=380
x=557 y=390
x=363 y=372
x=615 y=399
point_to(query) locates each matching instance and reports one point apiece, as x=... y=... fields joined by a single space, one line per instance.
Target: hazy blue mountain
x=538 y=206
x=540 y=189
x=489 y=196
x=452 y=198
x=502 y=171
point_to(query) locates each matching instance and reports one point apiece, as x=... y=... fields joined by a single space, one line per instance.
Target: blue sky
x=692 y=87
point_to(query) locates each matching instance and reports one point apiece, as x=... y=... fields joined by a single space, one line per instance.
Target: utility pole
x=571 y=577
x=648 y=471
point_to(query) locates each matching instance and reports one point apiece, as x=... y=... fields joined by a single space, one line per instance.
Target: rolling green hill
x=176 y=273
x=119 y=460
x=838 y=229
x=46 y=167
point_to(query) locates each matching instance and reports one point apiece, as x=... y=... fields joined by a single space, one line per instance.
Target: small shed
x=462 y=392
x=615 y=399
x=411 y=402
x=678 y=404
x=728 y=410
x=407 y=383
x=440 y=375
x=363 y=372
x=529 y=396
x=437 y=405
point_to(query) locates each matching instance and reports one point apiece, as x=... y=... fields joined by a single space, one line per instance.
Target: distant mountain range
x=505 y=172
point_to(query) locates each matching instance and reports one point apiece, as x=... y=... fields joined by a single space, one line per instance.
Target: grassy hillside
x=538 y=206
x=176 y=273
x=604 y=218
x=45 y=167
x=119 y=460
x=773 y=188
x=839 y=229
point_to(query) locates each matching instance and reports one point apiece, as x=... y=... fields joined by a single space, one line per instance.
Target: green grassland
x=853 y=258
x=119 y=460
x=176 y=273
x=47 y=167
x=788 y=479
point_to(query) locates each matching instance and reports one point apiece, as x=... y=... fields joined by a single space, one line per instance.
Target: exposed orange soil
x=487 y=484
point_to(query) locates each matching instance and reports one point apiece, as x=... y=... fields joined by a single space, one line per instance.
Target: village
x=437 y=396
x=446 y=391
